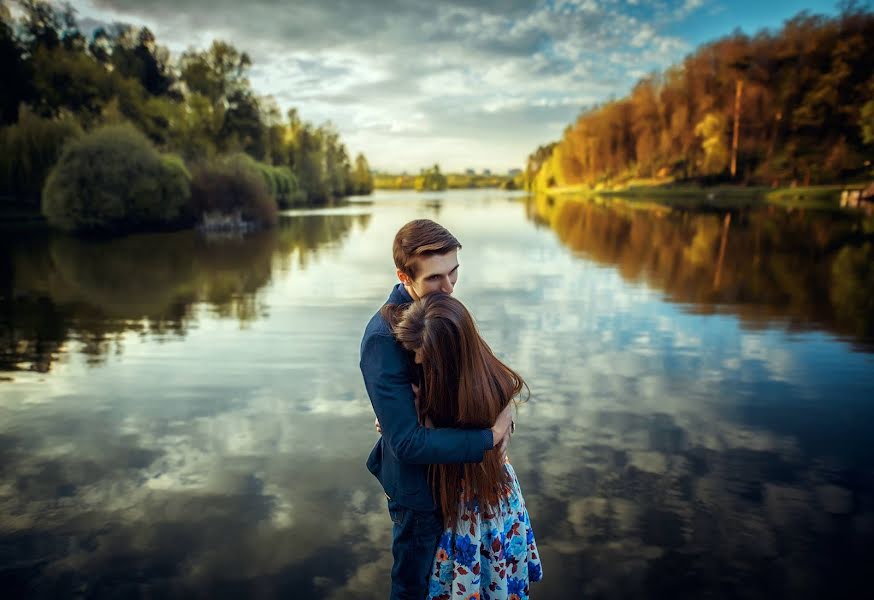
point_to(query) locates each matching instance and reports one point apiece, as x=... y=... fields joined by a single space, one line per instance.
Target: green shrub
x=176 y=183
x=288 y=192
x=234 y=187
x=281 y=183
x=113 y=179
x=28 y=150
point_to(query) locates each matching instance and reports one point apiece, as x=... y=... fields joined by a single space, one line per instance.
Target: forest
x=196 y=112
x=791 y=107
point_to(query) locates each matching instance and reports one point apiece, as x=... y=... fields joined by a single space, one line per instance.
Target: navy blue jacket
x=402 y=454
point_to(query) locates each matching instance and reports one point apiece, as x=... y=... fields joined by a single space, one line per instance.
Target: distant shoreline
x=819 y=196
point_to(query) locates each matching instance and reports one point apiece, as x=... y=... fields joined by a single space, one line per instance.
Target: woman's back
x=487 y=550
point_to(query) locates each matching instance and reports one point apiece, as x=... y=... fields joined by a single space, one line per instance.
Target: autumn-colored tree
x=789 y=105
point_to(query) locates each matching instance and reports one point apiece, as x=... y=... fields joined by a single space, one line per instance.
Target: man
x=426 y=257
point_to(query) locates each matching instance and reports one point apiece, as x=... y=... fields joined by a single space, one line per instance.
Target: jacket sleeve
x=384 y=365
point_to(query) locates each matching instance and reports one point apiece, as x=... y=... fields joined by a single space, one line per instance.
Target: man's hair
x=418 y=238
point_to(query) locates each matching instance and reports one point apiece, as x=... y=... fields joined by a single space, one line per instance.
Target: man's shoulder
x=377 y=326
x=378 y=340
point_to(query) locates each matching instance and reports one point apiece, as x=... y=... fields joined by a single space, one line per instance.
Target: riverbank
x=720 y=196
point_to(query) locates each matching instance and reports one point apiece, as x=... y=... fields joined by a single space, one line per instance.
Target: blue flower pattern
x=491 y=555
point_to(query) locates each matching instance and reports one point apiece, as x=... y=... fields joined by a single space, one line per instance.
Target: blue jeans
x=415 y=535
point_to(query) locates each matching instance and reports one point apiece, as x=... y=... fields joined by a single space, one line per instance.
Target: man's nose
x=447 y=286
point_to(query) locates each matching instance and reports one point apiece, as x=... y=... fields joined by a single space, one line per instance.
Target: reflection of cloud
x=233 y=460
x=193 y=487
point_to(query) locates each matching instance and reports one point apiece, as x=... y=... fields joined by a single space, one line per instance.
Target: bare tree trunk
x=738 y=91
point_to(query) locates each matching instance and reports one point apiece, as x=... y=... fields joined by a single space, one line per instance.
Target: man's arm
x=384 y=365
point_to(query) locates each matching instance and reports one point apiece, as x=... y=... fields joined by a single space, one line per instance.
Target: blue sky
x=463 y=83
x=718 y=18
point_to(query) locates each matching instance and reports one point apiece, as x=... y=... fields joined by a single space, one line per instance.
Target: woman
x=487 y=550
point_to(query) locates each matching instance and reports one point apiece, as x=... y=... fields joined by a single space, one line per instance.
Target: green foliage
x=430 y=180
x=200 y=106
x=288 y=193
x=361 y=180
x=454 y=181
x=280 y=181
x=113 y=180
x=176 y=181
x=232 y=187
x=215 y=73
x=28 y=149
x=135 y=55
x=307 y=159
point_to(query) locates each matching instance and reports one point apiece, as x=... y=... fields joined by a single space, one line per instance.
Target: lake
x=184 y=415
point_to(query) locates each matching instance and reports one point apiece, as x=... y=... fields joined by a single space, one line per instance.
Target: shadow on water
x=807 y=269
x=56 y=289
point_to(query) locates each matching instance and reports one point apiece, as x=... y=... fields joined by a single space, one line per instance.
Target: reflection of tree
x=94 y=291
x=301 y=237
x=798 y=266
x=852 y=292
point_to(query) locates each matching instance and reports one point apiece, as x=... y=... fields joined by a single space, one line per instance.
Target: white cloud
x=387 y=70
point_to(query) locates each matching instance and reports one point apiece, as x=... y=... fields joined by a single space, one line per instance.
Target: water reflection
x=804 y=268
x=666 y=452
x=57 y=289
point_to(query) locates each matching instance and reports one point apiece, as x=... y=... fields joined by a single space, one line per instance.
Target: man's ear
x=403 y=277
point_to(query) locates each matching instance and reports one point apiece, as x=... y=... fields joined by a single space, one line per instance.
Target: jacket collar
x=399 y=295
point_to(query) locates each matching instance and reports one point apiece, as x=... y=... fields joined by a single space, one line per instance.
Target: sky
x=463 y=83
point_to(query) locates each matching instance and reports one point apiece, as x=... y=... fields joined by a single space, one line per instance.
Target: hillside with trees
x=794 y=106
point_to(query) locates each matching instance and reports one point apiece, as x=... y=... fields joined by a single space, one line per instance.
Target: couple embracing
x=444 y=406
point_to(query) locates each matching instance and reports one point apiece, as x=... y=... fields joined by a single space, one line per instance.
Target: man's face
x=434 y=273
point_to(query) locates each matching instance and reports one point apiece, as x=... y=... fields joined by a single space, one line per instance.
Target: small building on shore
x=858 y=198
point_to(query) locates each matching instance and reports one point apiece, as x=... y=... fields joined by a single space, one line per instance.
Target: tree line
x=58 y=83
x=796 y=106
x=432 y=179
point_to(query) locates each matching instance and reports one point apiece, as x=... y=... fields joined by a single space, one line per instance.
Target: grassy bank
x=720 y=196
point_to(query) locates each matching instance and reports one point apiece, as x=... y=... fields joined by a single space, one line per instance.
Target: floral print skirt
x=490 y=555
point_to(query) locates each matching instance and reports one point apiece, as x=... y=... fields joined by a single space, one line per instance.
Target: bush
x=233 y=187
x=176 y=183
x=28 y=150
x=288 y=193
x=280 y=181
x=113 y=179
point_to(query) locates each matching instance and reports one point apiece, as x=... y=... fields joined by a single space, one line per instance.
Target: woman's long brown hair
x=464 y=386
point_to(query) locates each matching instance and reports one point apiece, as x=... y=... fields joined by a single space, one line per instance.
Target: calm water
x=182 y=416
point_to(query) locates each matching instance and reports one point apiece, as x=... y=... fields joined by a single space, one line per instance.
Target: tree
x=362 y=179
x=711 y=130
x=17 y=72
x=430 y=180
x=136 y=55
x=215 y=73
x=776 y=106
x=306 y=158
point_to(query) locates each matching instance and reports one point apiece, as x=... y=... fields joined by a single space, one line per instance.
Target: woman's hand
x=503 y=428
